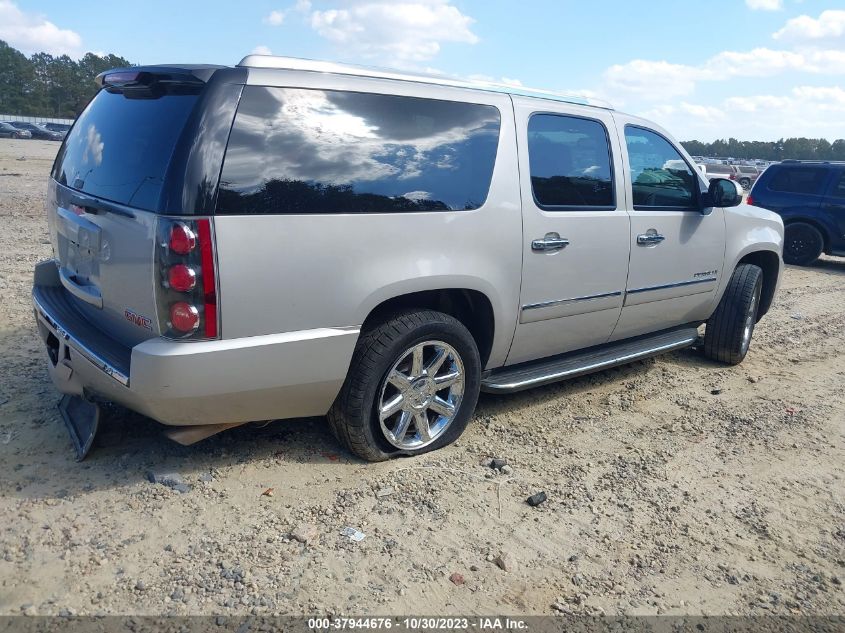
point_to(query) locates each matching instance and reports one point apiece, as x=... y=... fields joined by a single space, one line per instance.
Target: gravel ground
x=674 y=485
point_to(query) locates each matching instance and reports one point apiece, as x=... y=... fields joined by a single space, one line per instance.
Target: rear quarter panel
x=281 y=273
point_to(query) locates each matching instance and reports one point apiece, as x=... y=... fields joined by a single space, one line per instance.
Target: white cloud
x=275 y=18
x=395 y=33
x=656 y=80
x=830 y=25
x=33 y=33
x=262 y=50
x=811 y=111
x=302 y=6
x=764 y=5
x=651 y=79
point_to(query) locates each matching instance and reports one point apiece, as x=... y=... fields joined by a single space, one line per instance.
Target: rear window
x=797 y=180
x=304 y=151
x=120 y=147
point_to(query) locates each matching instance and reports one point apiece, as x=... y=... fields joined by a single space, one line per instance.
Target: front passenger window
x=660 y=177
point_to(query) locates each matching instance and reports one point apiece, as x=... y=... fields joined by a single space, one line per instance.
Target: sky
x=749 y=69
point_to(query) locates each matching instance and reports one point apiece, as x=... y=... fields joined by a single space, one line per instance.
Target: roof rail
x=813 y=162
x=295 y=63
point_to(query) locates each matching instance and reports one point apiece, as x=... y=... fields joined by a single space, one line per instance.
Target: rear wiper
x=95 y=205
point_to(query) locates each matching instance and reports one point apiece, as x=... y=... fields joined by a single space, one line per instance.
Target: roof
x=294 y=63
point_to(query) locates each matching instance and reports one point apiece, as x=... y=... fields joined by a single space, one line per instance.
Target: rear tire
x=745 y=183
x=727 y=336
x=411 y=388
x=802 y=244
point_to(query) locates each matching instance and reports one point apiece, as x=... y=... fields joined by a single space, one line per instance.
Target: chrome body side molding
x=679 y=284
x=556 y=302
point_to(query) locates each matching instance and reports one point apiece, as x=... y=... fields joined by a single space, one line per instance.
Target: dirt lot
x=675 y=485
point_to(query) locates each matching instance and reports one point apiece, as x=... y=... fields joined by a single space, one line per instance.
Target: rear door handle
x=649 y=238
x=551 y=242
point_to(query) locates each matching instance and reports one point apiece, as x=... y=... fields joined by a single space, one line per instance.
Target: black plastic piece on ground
x=535 y=500
x=82 y=418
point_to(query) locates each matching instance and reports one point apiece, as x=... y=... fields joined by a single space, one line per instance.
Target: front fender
x=749 y=230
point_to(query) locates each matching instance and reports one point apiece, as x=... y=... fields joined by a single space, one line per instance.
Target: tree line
x=795 y=148
x=59 y=87
x=47 y=85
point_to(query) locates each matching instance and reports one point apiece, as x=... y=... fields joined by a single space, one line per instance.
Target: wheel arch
x=769 y=262
x=815 y=223
x=471 y=307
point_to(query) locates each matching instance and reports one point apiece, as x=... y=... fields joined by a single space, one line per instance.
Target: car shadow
x=37 y=459
x=827 y=265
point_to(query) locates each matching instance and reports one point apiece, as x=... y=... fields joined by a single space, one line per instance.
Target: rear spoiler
x=156 y=79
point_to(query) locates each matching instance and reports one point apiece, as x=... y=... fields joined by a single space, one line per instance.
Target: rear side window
x=570 y=162
x=120 y=147
x=797 y=180
x=839 y=189
x=660 y=177
x=319 y=151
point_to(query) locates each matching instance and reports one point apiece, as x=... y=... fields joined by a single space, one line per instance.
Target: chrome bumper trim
x=80 y=347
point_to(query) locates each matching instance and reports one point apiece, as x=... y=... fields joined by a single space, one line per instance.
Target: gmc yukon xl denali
x=288 y=238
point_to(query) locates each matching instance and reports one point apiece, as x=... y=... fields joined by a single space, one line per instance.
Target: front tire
x=727 y=335
x=411 y=388
x=802 y=244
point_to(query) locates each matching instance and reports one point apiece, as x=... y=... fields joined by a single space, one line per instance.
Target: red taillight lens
x=182 y=278
x=186 y=292
x=209 y=276
x=182 y=239
x=184 y=317
x=733 y=176
x=749 y=200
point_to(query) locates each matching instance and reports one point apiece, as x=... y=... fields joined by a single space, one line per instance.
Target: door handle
x=649 y=238
x=551 y=242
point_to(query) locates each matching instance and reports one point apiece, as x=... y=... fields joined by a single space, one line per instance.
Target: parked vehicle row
x=289 y=238
x=810 y=197
x=745 y=175
x=42 y=131
x=10 y=131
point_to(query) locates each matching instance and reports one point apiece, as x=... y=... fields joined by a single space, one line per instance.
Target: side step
x=547 y=370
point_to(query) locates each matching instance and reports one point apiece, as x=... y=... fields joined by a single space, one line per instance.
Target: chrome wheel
x=750 y=319
x=420 y=395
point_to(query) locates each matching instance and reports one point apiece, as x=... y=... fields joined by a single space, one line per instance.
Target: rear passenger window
x=839 y=190
x=660 y=177
x=320 y=151
x=798 y=180
x=570 y=162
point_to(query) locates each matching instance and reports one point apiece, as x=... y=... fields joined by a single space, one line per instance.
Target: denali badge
x=706 y=273
x=137 y=319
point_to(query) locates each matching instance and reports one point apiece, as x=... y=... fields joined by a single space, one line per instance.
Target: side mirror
x=723 y=193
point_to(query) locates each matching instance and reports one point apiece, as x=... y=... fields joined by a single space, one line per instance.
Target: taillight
x=184 y=317
x=182 y=239
x=182 y=278
x=186 y=292
x=733 y=176
x=749 y=200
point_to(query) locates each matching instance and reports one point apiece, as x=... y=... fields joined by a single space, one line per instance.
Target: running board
x=545 y=371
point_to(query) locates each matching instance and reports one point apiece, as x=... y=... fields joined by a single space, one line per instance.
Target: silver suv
x=288 y=238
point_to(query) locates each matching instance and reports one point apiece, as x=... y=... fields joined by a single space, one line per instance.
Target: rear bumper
x=293 y=374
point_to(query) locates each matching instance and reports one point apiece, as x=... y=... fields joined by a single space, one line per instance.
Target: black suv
x=810 y=197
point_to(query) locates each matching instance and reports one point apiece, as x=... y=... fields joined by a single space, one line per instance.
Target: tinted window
x=120 y=147
x=660 y=177
x=839 y=190
x=318 y=151
x=570 y=162
x=797 y=180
